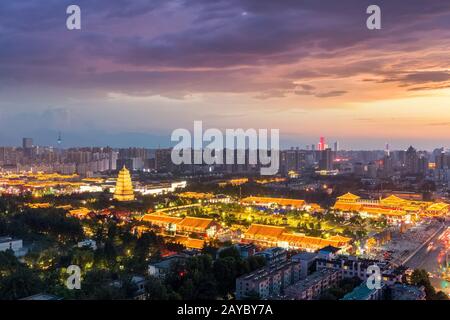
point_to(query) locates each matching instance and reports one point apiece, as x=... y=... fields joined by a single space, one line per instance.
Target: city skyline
x=137 y=70
x=321 y=144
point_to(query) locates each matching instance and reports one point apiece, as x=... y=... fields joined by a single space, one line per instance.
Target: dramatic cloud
x=277 y=56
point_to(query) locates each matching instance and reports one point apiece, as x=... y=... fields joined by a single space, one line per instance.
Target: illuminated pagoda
x=124 y=187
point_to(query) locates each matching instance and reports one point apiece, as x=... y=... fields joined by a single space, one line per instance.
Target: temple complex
x=393 y=208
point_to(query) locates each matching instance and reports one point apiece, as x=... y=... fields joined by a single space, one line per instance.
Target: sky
x=137 y=70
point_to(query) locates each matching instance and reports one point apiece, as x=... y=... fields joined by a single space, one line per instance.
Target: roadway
x=429 y=257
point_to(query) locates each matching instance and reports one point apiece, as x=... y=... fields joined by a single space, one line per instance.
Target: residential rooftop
x=362 y=292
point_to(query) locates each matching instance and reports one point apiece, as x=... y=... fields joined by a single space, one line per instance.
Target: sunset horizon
x=132 y=76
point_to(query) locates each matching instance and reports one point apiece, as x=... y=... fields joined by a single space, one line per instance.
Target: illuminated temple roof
x=348 y=197
x=347 y=206
x=274 y=233
x=196 y=195
x=195 y=223
x=80 y=213
x=199 y=224
x=384 y=211
x=160 y=219
x=390 y=206
x=190 y=242
x=393 y=200
x=124 y=187
x=264 y=230
x=438 y=206
x=437 y=209
x=313 y=242
x=279 y=201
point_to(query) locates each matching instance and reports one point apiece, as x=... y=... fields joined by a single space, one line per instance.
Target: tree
x=102 y=285
x=156 y=290
x=440 y=296
x=8 y=263
x=83 y=257
x=225 y=274
x=20 y=284
x=420 y=277
x=232 y=252
x=256 y=262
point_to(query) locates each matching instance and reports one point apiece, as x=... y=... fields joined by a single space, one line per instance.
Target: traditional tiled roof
x=194 y=243
x=349 y=196
x=264 y=230
x=79 y=212
x=340 y=239
x=384 y=211
x=347 y=206
x=311 y=242
x=196 y=195
x=438 y=206
x=279 y=201
x=200 y=224
x=155 y=218
x=190 y=242
x=278 y=234
x=39 y=205
x=393 y=199
x=197 y=223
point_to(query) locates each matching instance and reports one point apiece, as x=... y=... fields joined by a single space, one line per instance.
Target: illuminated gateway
x=124 y=187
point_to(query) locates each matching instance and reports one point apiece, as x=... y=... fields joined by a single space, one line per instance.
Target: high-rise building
x=321 y=145
x=372 y=170
x=411 y=161
x=336 y=146
x=27 y=143
x=441 y=159
x=388 y=165
x=359 y=169
x=422 y=164
x=293 y=160
x=326 y=159
x=113 y=156
x=124 y=187
x=387 y=150
x=163 y=159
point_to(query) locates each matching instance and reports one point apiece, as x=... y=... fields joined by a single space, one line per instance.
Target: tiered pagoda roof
x=124 y=187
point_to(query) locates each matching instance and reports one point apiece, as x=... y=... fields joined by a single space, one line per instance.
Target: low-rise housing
x=16 y=245
x=268 y=282
x=245 y=249
x=314 y=285
x=162 y=268
x=273 y=255
x=307 y=261
x=363 y=292
x=87 y=243
x=355 y=267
